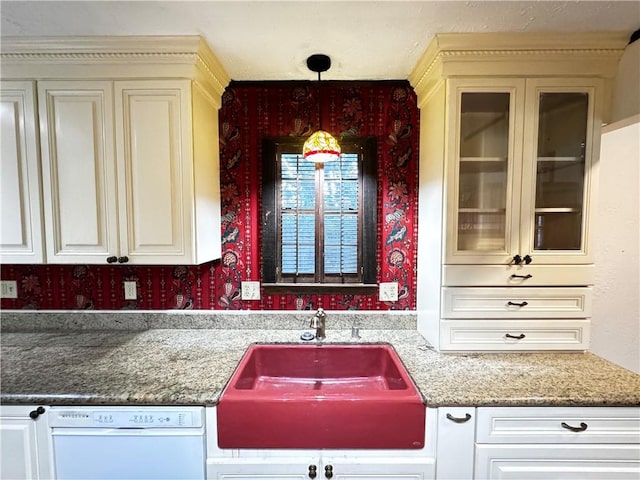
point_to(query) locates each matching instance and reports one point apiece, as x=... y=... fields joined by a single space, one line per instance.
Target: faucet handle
x=321 y=313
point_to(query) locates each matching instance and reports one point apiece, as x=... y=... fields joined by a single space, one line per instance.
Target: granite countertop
x=192 y=366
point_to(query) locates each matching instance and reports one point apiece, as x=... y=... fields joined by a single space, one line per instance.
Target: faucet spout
x=319 y=323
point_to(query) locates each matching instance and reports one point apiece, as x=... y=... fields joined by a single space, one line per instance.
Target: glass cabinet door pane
x=560 y=170
x=483 y=171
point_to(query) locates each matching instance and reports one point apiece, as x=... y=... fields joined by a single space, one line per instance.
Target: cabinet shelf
x=483 y=159
x=561 y=159
x=558 y=210
x=482 y=210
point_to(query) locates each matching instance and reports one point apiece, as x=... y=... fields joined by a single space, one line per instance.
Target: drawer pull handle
x=328 y=471
x=527 y=259
x=36 y=413
x=583 y=426
x=517 y=259
x=524 y=277
x=466 y=418
x=515 y=337
x=516 y=304
x=313 y=471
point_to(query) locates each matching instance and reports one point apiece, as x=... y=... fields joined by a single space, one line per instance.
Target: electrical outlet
x=388 y=292
x=9 y=289
x=250 y=290
x=130 y=292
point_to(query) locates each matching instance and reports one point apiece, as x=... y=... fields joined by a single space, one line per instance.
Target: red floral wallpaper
x=250 y=112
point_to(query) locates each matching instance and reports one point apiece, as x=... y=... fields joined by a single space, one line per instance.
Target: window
x=319 y=220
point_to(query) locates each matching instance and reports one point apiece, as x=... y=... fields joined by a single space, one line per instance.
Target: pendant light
x=321 y=146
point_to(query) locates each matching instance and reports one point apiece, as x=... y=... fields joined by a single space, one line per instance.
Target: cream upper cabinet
x=520 y=170
x=509 y=144
x=129 y=144
x=119 y=173
x=21 y=237
x=77 y=137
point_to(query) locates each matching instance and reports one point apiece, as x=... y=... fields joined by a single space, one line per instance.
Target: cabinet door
x=552 y=462
x=455 y=447
x=263 y=469
x=76 y=128
x=562 y=124
x=376 y=468
x=21 y=221
x=25 y=447
x=485 y=138
x=155 y=171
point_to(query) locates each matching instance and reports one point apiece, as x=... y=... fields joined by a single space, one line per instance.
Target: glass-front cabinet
x=519 y=171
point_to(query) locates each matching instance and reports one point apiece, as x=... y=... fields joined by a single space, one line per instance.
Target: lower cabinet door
x=25 y=444
x=263 y=469
x=376 y=469
x=553 y=462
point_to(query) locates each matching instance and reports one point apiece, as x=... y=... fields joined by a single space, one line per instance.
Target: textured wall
x=250 y=112
x=615 y=323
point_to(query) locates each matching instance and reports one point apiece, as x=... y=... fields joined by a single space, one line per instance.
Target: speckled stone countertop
x=184 y=366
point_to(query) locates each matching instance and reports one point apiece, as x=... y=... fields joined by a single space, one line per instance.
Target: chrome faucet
x=318 y=322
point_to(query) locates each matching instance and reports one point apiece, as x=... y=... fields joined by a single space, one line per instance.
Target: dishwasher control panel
x=126 y=417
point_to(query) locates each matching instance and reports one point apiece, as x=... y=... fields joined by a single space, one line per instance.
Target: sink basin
x=321 y=396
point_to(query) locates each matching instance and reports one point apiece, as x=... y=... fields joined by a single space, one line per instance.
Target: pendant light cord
x=319 y=102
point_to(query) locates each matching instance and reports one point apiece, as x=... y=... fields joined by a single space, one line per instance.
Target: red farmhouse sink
x=321 y=396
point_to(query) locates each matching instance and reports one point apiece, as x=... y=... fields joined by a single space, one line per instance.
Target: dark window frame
x=271 y=149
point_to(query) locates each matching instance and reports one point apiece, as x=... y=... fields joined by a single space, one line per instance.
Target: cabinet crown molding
x=594 y=54
x=119 y=57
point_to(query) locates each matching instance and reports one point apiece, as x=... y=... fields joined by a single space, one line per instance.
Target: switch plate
x=250 y=290
x=9 y=289
x=388 y=292
x=130 y=292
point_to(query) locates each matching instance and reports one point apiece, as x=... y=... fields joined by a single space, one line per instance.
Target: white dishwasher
x=127 y=443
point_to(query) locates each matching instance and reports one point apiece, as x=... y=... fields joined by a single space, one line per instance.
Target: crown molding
x=517 y=54
x=126 y=57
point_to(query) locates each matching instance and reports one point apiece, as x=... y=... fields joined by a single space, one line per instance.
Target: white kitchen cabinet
x=21 y=236
x=79 y=176
x=120 y=180
x=25 y=443
x=241 y=464
x=455 y=444
x=508 y=171
x=557 y=442
x=129 y=145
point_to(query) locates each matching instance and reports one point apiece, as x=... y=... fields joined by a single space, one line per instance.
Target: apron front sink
x=321 y=396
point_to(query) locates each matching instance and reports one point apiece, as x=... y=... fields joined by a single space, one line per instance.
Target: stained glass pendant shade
x=321 y=146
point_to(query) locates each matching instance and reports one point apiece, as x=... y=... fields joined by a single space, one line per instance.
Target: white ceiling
x=267 y=40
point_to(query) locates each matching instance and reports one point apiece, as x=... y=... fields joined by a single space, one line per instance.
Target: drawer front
x=517 y=275
x=488 y=302
x=516 y=335
x=553 y=462
x=558 y=425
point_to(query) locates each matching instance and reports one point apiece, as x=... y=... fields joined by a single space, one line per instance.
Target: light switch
x=388 y=291
x=250 y=290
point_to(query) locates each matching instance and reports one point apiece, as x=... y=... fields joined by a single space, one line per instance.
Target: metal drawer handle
x=516 y=304
x=328 y=471
x=466 y=418
x=515 y=337
x=313 y=471
x=583 y=426
x=524 y=277
x=33 y=414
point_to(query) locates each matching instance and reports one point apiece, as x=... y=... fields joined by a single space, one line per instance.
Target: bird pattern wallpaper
x=250 y=112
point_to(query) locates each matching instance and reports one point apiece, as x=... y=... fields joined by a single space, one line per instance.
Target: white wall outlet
x=9 y=289
x=250 y=290
x=388 y=292
x=130 y=292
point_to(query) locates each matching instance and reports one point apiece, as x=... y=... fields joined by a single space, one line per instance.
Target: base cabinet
x=277 y=468
x=557 y=443
x=552 y=462
x=25 y=443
